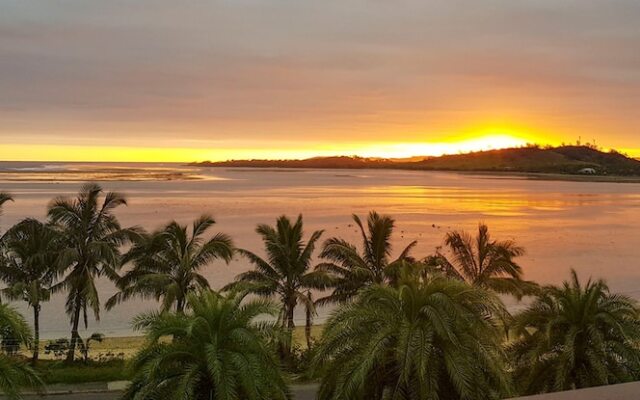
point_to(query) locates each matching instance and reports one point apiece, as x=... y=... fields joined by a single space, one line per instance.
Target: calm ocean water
x=591 y=227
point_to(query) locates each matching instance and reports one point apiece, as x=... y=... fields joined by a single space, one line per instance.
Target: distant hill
x=316 y=162
x=573 y=160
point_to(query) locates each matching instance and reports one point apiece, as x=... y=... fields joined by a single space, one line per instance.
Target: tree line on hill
x=403 y=327
x=565 y=159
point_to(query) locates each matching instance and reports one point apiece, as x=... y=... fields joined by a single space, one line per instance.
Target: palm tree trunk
x=290 y=326
x=74 y=332
x=36 y=333
x=287 y=326
x=307 y=328
x=310 y=310
x=180 y=306
x=290 y=322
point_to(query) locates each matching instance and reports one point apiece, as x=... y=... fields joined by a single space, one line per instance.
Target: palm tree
x=15 y=374
x=4 y=197
x=350 y=270
x=92 y=238
x=167 y=264
x=576 y=336
x=418 y=340
x=220 y=353
x=84 y=348
x=285 y=272
x=484 y=262
x=31 y=268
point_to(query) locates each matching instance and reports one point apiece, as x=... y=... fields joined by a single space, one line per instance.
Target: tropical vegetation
x=167 y=264
x=92 y=238
x=484 y=262
x=285 y=274
x=31 y=253
x=428 y=339
x=351 y=270
x=220 y=351
x=15 y=374
x=575 y=336
x=4 y=197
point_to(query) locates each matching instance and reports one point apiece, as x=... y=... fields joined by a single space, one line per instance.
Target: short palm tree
x=285 y=273
x=167 y=264
x=15 y=374
x=431 y=339
x=31 y=267
x=483 y=262
x=92 y=238
x=220 y=353
x=351 y=270
x=576 y=336
x=4 y=197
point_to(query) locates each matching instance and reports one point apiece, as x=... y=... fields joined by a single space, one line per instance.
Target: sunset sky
x=160 y=80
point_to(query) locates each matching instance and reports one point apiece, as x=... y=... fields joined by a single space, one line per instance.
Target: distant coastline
x=546 y=176
x=573 y=163
x=95 y=172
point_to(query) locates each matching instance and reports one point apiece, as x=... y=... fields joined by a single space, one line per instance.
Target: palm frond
x=419 y=339
x=219 y=350
x=573 y=336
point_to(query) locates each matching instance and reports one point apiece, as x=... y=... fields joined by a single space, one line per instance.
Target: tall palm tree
x=220 y=353
x=15 y=374
x=351 y=270
x=285 y=273
x=167 y=264
x=31 y=268
x=92 y=238
x=484 y=262
x=431 y=339
x=576 y=336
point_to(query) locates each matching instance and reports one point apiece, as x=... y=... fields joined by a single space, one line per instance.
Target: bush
x=82 y=372
x=300 y=363
x=58 y=348
x=9 y=342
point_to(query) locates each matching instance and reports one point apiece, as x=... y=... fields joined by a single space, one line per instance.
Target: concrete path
x=625 y=391
x=77 y=396
x=307 y=392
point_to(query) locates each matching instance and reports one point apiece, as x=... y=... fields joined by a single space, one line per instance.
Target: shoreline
x=539 y=176
x=125 y=347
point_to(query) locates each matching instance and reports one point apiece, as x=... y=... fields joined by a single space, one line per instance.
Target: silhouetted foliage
x=167 y=264
x=350 y=270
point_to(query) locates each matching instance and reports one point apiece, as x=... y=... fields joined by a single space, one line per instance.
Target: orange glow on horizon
x=406 y=150
x=473 y=140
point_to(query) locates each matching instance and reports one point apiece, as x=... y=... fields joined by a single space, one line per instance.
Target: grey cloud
x=281 y=65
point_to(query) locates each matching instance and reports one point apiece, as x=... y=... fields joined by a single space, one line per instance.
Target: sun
x=491 y=141
x=454 y=145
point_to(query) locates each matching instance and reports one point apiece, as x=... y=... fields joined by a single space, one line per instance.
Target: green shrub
x=81 y=372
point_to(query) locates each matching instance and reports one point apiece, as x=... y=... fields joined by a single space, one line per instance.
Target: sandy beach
x=125 y=347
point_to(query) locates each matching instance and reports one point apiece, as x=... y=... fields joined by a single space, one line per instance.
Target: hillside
x=558 y=160
x=316 y=162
